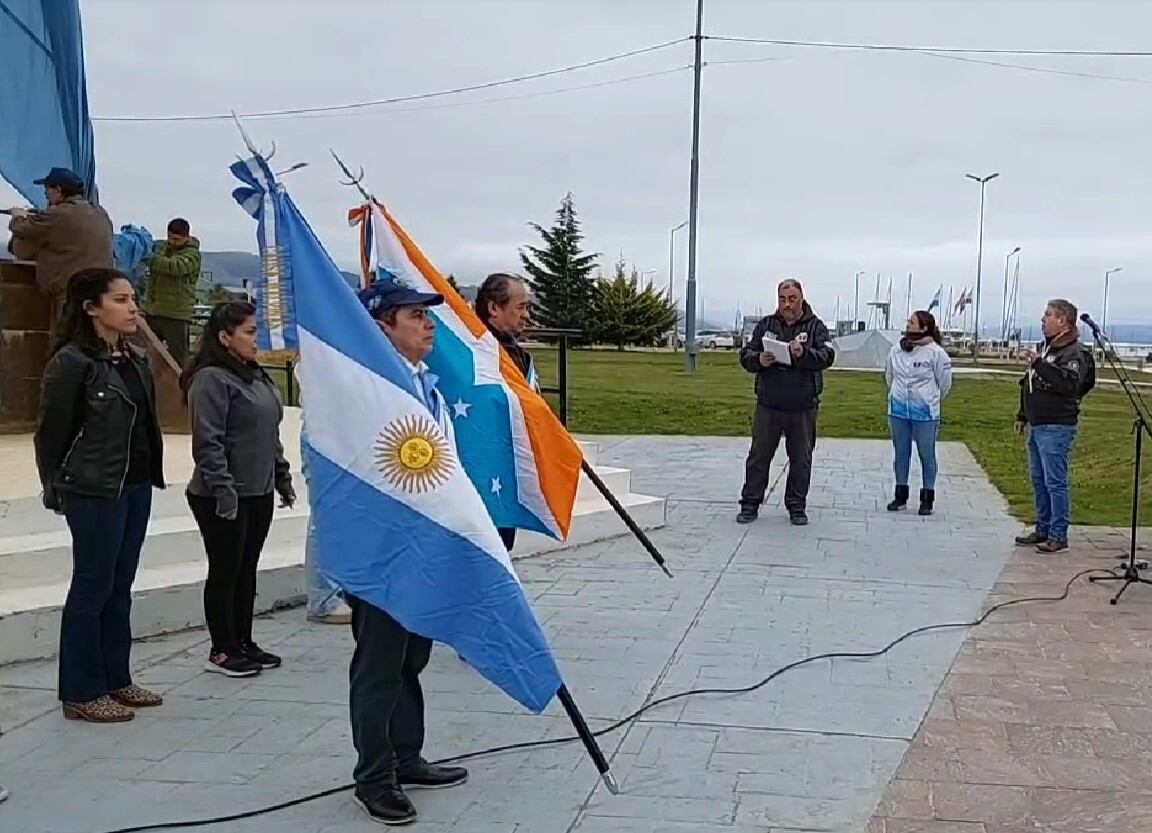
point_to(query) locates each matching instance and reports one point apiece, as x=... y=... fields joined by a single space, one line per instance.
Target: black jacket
x=84 y=437
x=1051 y=390
x=520 y=357
x=794 y=387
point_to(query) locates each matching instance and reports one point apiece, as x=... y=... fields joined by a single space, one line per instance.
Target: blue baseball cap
x=384 y=295
x=61 y=178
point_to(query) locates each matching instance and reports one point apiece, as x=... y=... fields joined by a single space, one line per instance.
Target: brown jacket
x=63 y=239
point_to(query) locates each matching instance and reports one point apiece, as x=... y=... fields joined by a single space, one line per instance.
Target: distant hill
x=232 y=269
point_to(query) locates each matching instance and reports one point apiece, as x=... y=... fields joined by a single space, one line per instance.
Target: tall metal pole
x=856 y=303
x=675 y=337
x=1004 y=301
x=908 y=300
x=1104 y=311
x=694 y=189
x=983 y=180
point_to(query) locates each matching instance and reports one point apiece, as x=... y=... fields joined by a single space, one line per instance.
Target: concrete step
x=167 y=595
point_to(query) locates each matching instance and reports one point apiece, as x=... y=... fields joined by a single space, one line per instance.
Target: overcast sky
x=816 y=166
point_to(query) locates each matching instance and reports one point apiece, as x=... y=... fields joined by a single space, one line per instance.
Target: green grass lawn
x=649 y=393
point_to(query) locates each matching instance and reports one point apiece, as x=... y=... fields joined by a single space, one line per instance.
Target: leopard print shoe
x=137 y=697
x=101 y=710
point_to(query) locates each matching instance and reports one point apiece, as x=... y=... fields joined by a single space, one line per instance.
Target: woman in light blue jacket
x=919 y=376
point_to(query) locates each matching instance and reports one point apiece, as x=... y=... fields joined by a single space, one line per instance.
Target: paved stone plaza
x=811 y=751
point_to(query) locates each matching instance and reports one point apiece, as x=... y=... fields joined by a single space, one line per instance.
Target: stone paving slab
x=810 y=751
x=1045 y=721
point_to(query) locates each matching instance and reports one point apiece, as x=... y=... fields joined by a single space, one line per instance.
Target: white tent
x=865 y=351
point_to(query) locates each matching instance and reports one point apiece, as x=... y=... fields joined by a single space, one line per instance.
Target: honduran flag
x=522 y=460
x=397 y=521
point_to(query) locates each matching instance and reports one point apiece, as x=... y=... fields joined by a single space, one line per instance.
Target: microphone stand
x=1132 y=568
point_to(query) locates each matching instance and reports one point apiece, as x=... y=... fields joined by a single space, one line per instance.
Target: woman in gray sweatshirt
x=235 y=412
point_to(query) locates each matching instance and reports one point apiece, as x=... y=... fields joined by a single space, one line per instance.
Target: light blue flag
x=44 y=120
x=397 y=521
x=274 y=289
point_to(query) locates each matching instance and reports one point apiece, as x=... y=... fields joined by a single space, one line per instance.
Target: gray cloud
x=818 y=165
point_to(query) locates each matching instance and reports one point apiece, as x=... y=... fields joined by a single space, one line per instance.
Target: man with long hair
x=504 y=306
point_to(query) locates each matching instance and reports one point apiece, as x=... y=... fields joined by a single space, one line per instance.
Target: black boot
x=901 y=499
x=927 y=499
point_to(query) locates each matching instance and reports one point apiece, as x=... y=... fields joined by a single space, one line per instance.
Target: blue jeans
x=96 y=627
x=1049 y=447
x=923 y=433
x=324 y=597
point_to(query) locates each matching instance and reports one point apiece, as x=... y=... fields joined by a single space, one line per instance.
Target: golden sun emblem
x=413 y=454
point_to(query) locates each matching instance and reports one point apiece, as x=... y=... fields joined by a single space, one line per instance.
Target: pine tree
x=452 y=282
x=560 y=273
x=626 y=314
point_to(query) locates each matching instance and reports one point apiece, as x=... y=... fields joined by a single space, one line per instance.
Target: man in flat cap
x=69 y=235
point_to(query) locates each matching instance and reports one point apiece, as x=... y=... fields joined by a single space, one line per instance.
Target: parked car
x=710 y=339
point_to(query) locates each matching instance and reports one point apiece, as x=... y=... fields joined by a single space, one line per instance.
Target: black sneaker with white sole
x=426 y=776
x=261 y=657
x=231 y=665
x=386 y=806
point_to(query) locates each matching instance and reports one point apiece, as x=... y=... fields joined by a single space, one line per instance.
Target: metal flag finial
x=248 y=140
x=354 y=181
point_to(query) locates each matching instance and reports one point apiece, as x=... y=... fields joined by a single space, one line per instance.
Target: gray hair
x=1065 y=309
x=787 y=282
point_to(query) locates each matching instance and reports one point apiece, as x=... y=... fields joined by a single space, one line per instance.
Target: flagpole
x=629 y=522
x=589 y=739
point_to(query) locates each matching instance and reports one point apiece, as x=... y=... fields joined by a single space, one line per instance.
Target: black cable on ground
x=535 y=744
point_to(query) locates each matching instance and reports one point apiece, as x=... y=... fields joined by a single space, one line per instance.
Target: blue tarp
x=44 y=121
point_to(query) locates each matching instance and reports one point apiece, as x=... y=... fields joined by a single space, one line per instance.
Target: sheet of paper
x=779 y=349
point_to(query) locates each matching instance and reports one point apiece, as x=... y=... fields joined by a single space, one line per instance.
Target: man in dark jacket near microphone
x=1058 y=377
x=787 y=399
x=504 y=306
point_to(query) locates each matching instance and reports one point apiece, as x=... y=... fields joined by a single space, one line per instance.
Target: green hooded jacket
x=172 y=277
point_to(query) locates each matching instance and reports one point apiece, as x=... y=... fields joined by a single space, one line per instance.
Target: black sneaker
x=1031 y=539
x=798 y=518
x=231 y=665
x=748 y=514
x=387 y=806
x=430 y=777
x=261 y=657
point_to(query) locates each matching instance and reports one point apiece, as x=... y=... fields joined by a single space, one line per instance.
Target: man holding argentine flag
x=386 y=701
x=407 y=490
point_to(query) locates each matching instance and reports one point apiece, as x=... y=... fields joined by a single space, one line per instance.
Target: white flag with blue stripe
x=397 y=521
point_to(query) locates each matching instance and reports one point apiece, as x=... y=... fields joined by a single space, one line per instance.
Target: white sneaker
x=3 y=793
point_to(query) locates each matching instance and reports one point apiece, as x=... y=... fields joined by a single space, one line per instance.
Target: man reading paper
x=787 y=399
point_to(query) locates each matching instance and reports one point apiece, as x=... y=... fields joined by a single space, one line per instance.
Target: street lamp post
x=856 y=302
x=671 y=273
x=983 y=180
x=672 y=256
x=1104 y=311
x=1004 y=302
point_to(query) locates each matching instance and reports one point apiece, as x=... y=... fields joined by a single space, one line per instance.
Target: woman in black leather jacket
x=99 y=453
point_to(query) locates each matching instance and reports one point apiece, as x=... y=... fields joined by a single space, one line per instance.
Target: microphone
x=1087 y=319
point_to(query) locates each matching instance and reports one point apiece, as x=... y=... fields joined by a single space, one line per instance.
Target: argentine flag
x=520 y=458
x=398 y=522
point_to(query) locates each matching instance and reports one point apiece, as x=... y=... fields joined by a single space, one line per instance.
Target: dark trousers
x=508 y=536
x=798 y=428
x=96 y=627
x=174 y=333
x=233 y=549
x=385 y=698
